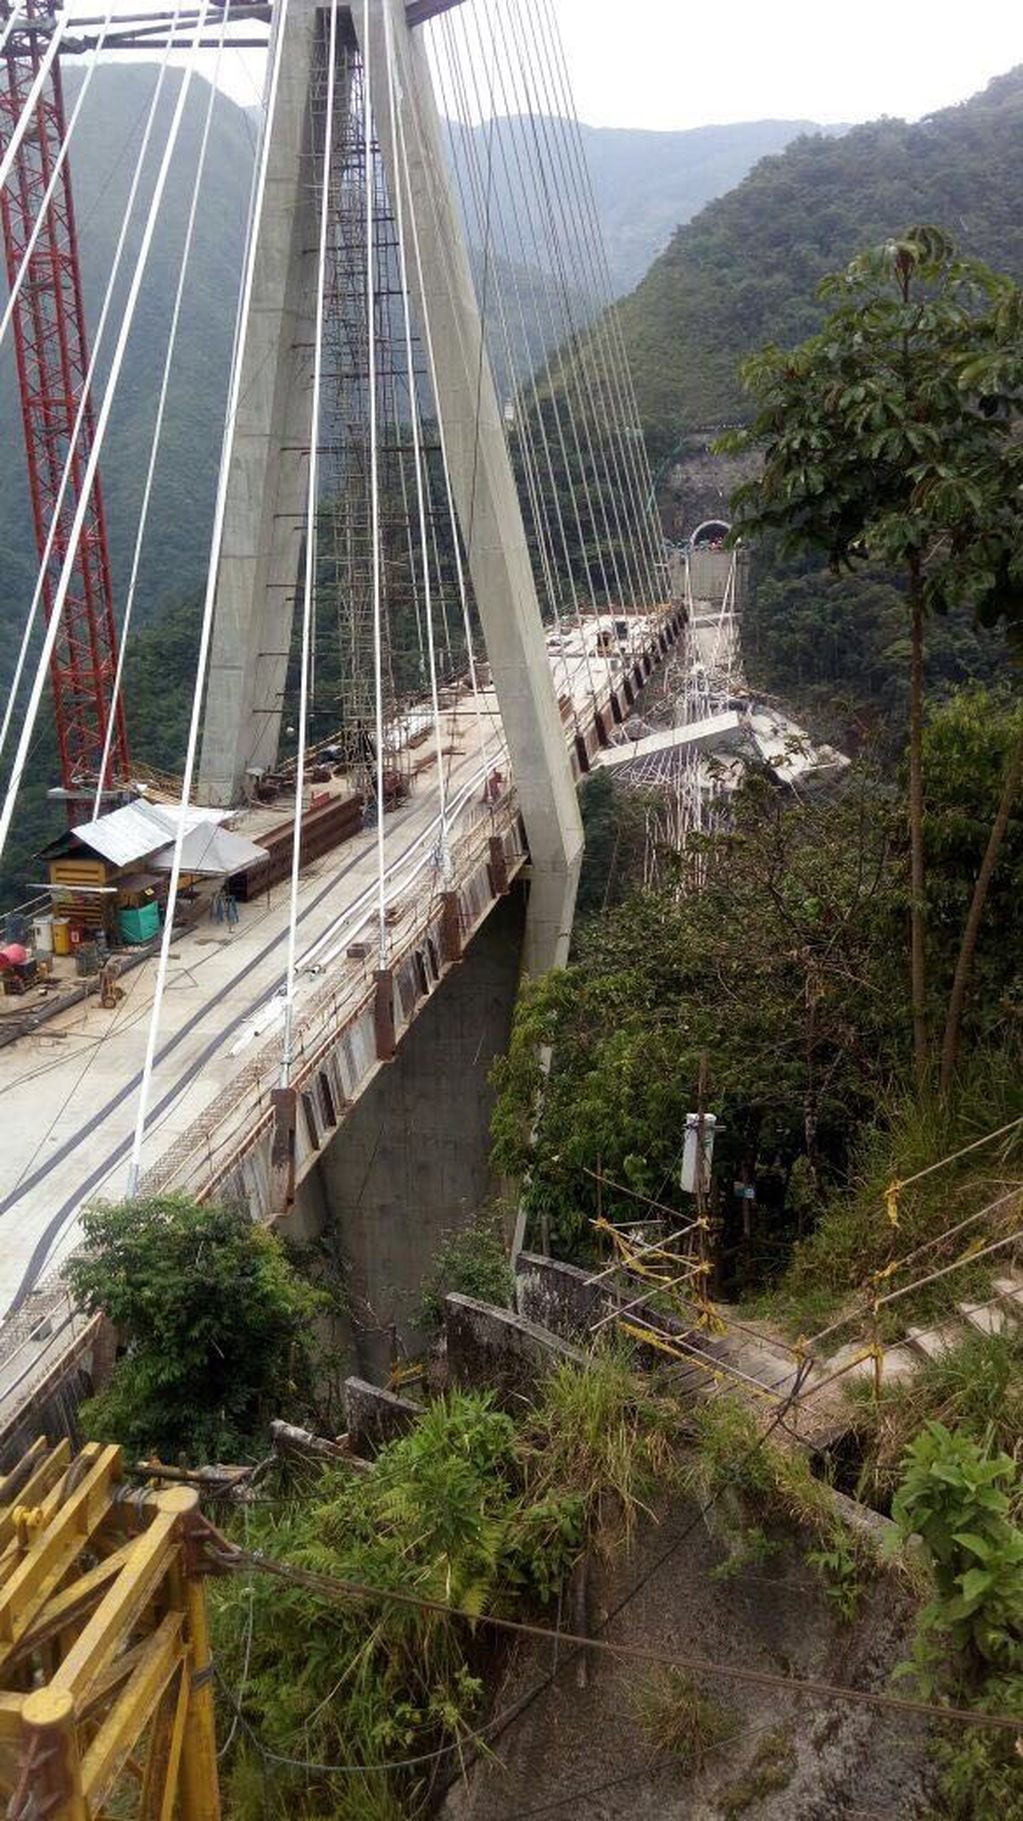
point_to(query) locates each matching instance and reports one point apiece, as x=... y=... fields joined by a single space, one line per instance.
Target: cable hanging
x=102 y=420
x=55 y=175
x=309 y=577
x=86 y=393
x=206 y=628
x=155 y=442
x=444 y=855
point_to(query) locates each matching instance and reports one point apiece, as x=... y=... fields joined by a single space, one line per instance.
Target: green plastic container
x=141 y=924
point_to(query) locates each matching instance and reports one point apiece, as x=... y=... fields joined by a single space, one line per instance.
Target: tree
x=778 y=968
x=892 y=435
x=212 y=1319
x=973 y=756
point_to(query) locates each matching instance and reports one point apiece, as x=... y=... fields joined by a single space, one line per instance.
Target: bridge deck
x=70 y=1089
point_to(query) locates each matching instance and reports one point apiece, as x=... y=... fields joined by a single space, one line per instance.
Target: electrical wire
x=333 y=1588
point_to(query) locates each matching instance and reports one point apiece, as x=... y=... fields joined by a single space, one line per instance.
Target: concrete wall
x=411 y=1160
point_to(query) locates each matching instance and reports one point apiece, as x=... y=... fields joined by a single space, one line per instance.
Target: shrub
x=958 y=1497
x=678 y=1719
x=212 y=1318
x=473 y=1262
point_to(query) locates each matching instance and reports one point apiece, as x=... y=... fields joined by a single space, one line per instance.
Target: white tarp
x=210 y=852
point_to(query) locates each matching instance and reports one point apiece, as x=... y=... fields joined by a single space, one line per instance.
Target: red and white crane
x=52 y=359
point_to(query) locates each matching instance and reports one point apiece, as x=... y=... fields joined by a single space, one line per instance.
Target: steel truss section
x=106 y=1695
x=52 y=357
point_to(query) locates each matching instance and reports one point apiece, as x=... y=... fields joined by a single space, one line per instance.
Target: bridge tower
x=267 y=448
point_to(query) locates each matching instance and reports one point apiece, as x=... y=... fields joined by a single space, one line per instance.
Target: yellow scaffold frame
x=106 y=1696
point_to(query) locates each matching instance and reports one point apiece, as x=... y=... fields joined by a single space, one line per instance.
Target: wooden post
x=616 y=709
x=603 y=738
x=50 y=1766
x=581 y=753
x=383 y=1015
x=284 y=1102
x=498 y=867
x=450 y=929
x=200 y=1785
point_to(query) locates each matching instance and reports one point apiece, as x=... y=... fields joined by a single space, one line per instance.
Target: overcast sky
x=667 y=64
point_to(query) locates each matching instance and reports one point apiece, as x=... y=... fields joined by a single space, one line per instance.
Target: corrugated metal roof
x=139 y=828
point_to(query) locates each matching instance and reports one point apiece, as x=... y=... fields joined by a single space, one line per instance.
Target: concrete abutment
x=411 y=1160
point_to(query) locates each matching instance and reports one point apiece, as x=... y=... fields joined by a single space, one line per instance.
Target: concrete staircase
x=571 y=1303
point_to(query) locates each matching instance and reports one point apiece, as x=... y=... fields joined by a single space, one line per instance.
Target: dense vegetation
x=785 y=972
x=471 y=1509
x=746 y=269
x=212 y=1321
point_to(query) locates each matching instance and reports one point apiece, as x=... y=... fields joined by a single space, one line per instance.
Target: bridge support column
x=482 y=481
x=258 y=569
x=410 y=1161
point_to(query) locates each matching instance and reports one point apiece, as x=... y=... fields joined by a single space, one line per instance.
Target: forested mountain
x=644 y=183
x=745 y=270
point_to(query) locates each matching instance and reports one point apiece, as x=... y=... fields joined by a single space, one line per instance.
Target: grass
x=680 y=1721
x=754 y=1484
x=831 y=1271
x=977 y=1387
x=602 y=1435
x=772 y=1768
x=469 y=1509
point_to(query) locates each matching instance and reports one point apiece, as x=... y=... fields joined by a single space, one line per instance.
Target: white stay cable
x=417 y=455
x=58 y=165
x=86 y=392
x=27 y=115
x=92 y=463
x=405 y=181
x=310 y=555
x=374 y=483
x=206 y=629
x=154 y=448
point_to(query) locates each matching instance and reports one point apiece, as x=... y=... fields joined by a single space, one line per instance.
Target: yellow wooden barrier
x=106 y=1698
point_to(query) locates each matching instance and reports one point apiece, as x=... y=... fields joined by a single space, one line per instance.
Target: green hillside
x=644 y=183
x=745 y=270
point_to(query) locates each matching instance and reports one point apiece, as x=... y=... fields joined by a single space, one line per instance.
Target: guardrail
x=242 y=1114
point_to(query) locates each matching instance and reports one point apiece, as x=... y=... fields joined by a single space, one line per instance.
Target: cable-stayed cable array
x=386 y=649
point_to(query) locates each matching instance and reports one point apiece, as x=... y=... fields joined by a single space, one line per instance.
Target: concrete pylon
x=482 y=482
x=267 y=487
x=268 y=465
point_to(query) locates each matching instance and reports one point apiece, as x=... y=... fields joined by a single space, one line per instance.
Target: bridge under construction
x=306 y=950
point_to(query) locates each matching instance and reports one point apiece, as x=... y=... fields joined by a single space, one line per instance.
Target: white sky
x=659 y=63
x=665 y=63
